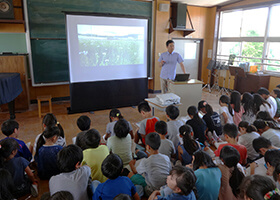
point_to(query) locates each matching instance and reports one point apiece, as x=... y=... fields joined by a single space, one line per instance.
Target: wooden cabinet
x=251 y=83
x=17 y=63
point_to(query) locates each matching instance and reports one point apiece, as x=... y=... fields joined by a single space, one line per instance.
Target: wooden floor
x=31 y=124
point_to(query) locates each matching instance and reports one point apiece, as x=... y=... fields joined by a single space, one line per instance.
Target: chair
x=41 y=99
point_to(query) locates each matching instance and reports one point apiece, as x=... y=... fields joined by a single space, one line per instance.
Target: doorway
x=191 y=51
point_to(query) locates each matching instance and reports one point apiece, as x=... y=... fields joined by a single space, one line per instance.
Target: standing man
x=168 y=61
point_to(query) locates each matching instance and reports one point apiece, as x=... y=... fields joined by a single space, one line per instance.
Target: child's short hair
x=122 y=197
x=172 y=111
x=62 y=195
x=261 y=142
x=9 y=126
x=144 y=106
x=263 y=90
x=112 y=166
x=230 y=130
x=161 y=127
x=83 y=122
x=121 y=128
x=91 y=139
x=153 y=140
x=185 y=179
x=68 y=157
x=272 y=156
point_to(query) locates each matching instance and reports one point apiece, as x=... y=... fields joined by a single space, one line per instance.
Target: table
x=252 y=82
x=189 y=91
x=10 y=88
x=154 y=103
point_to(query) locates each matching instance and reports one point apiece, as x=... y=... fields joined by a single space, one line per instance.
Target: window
x=274 y=22
x=253 y=35
x=254 y=22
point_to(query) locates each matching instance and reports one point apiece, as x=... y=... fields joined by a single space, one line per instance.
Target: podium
x=248 y=82
x=189 y=91
x=237 y=72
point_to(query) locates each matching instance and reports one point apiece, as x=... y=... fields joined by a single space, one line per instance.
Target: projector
x=168 y=98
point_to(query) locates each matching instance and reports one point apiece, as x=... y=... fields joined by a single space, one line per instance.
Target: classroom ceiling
x=206 y=3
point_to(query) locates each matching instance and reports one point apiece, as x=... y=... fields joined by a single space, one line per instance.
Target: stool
x=44 y=98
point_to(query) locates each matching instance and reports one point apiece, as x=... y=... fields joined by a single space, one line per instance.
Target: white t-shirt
x=122 y=147
x=273 y=136
x=224 y=109
x=156 y=168
x=247 y=141
x=75 y=182
x=273 y=104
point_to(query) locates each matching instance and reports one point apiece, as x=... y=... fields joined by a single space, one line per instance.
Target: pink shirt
x=237 y=115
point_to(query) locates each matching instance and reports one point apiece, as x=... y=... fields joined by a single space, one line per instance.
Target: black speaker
x=178 y=15
x=6 y=9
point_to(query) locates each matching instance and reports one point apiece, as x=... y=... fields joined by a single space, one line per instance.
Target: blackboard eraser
x=7 y=53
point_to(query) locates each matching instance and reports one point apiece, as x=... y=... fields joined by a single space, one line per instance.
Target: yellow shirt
x=94 y=158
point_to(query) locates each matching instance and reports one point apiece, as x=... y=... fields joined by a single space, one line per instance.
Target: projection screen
x=102 y=48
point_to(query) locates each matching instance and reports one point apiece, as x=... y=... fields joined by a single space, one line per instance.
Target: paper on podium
x=168 y=99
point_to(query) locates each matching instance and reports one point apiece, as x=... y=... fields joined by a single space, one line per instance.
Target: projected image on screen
x=103 y=48
x=110 y=45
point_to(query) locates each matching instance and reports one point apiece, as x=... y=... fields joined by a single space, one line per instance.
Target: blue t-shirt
x=168 y=70
x=208 y=183
x=111 y=188
x=17 y=166
x=47 y=161
x=23 y=150
x=175 y=196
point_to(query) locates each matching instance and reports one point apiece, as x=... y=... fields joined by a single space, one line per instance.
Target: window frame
x=264 y=39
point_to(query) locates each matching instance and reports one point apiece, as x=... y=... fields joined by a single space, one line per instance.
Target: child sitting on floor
x=120 y=143
x=230 y=132
x=112 y=167
x=73 y=177
x=83 y=123
x=182 y=181
x=185 y=151
x=173 y=125
x=17 y=166
x=156 y=167
x=114 y=116
x=166 y=145
x=147 y=125
x=198 y=125
x=50 y=120
x=10 y=128
x=94 y=154
x=46 y=153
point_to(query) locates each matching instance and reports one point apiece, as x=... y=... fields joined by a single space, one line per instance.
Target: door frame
x=200 y=56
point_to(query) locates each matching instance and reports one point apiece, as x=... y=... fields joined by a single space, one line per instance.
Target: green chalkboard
x=48 y=33
x=13 y=42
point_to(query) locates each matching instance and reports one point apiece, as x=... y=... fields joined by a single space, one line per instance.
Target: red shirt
x=239 y=147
